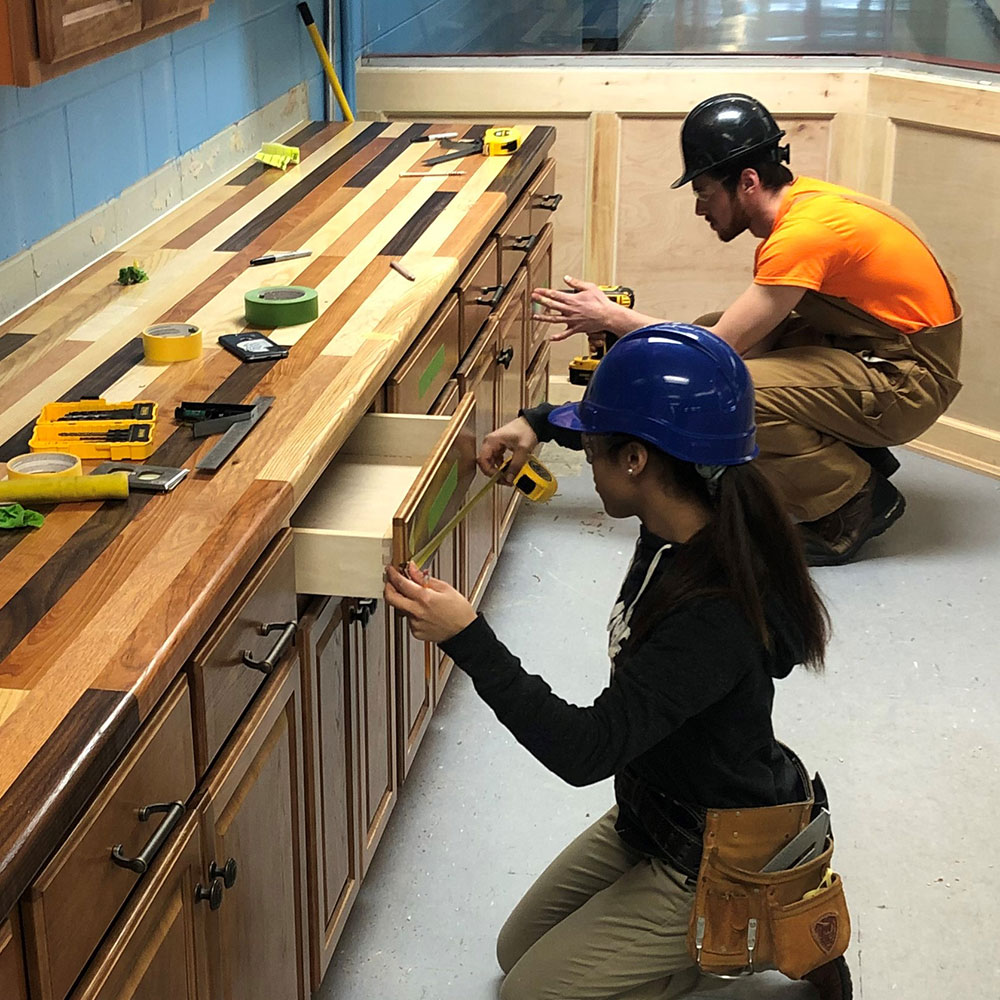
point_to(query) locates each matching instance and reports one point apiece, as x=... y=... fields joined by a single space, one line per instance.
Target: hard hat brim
x=690 y=175
x=567 y=416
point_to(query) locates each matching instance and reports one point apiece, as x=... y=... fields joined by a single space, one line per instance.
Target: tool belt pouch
x=745 y=920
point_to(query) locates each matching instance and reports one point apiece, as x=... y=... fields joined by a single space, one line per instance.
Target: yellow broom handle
x=331 y=73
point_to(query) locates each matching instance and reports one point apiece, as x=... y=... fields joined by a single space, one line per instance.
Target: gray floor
x=903 y=727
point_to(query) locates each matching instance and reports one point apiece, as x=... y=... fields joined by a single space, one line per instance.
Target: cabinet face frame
x=13 y=975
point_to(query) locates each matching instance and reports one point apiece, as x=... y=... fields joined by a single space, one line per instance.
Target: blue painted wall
x=75 y=142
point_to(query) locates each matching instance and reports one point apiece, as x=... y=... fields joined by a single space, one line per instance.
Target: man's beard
x=739 y=224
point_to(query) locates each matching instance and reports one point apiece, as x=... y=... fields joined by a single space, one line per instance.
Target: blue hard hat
x=677 y=386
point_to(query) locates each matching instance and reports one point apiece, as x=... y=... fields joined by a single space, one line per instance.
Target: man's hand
x=516 y=437
x=587 y=310
x=436 y=611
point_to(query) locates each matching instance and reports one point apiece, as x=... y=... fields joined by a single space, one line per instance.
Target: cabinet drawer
x=539 y=276
x=395 y=479
x=544 y=199
x=237 y=653
x=75 y=899
x=520 y=231
x=479 y=291
x=13 y=982
x=421 y=375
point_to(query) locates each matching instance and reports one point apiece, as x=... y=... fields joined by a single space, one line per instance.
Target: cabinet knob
x=505 y=357
x=272 y=659
x=227 y=873
x=363 y=609
x=213 y=893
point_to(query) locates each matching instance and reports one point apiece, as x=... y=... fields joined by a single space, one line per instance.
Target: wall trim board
x=55 y=259
x=953 y=105
x=601 y=198
x=962 y=443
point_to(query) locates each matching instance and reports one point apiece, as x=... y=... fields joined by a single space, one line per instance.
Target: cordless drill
x=582 y=367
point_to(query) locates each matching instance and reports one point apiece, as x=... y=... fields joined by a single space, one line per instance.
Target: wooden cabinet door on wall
x=69 y=27
x=369 y=643
x=156 y=950
x=332 y=795
x=254 y=817
x=13 y=982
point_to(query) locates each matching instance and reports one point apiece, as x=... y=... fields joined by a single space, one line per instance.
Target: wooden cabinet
x=510 y=389
x=13 y=979
x=332 y=768
x=41 y=39
x=253 y=826
x=157 y=950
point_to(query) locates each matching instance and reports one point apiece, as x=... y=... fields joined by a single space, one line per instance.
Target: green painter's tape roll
x=282 y=305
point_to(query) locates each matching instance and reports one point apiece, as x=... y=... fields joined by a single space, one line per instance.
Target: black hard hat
x=724 y=129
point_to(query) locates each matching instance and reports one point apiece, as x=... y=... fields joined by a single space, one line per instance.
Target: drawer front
x=13 y=980
x=222 y=680
x=75 y=899
x=544 y=199
x=422 y=374
x=395 y=481
x=539 y=276
x=536 y=385
x=480 y=291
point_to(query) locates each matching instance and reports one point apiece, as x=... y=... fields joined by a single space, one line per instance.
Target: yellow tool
x=826 y=882
x=276 y=155
x=495 y=142
x=534 y=481
x=582 y=367
x=331 y=73
x=95 y=428
x=44 y=489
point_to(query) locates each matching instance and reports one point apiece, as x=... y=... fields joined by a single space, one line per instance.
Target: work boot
x=832 y=981
x=880 y=459
x=836 y=538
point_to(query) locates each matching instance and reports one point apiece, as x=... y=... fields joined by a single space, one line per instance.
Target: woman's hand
x=516 y=437
x=436 y=610
x=586 y=310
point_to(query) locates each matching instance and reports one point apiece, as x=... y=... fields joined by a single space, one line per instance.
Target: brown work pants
x=601 y=921
x=850 y=381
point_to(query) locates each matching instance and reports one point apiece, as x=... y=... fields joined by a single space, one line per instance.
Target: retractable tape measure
x=534 y=481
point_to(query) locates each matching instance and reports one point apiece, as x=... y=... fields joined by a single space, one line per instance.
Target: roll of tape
x=47 y=464
x=282 y=305
x=168 y=342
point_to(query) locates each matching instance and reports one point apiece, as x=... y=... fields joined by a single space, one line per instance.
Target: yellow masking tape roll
x=36 y=489
x=46 y=464
x=168 y=342
x=282 y=305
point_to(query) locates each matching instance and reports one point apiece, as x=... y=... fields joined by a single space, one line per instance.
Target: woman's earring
x=631 y=472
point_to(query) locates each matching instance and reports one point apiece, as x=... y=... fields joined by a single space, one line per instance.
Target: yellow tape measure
x=534 y=481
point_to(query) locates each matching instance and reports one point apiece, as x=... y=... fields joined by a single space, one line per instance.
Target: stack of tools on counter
x=95 y=428
x=582 y=367
x=495 y=142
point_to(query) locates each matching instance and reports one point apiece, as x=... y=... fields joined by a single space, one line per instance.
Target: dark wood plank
x=525 y=161
x=299 y=139
x=10 y=342
x=370 y=171
x=418 y=224
x=248 y=233
x=40 y=806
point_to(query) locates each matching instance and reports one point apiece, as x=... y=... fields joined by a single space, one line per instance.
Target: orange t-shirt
x=825 y=242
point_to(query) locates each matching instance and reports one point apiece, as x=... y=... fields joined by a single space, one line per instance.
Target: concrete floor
x=902 y=727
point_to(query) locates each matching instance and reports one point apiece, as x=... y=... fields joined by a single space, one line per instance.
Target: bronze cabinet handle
x=549 y=202
x=227 y=873
x=213 y=893
x=505 y=357
x=272 y=659
x=141 y=862
x=494 y=300
x=523 y=244
x=363 y=609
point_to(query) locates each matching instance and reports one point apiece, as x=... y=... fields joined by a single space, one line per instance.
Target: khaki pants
x=601 y=921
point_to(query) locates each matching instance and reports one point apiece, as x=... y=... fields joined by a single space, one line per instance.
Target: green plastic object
x=284 y=305
x=13 y=515
x=132 y=275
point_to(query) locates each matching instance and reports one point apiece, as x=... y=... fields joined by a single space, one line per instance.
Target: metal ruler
x=230 y=441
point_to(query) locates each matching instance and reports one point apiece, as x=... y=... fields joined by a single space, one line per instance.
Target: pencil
x=401 y=270
x=426 y=173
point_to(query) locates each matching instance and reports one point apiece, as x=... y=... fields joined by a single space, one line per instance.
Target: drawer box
x=236 y=655
x=421 y=375
x=76 y=897
x=393 y=483
x=479 y=291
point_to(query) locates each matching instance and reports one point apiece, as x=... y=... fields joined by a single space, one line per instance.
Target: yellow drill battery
x=583 y=366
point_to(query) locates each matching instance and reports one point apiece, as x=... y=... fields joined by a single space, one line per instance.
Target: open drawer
x=394 y=482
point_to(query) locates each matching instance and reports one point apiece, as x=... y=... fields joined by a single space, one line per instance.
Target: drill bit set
x=95 y=428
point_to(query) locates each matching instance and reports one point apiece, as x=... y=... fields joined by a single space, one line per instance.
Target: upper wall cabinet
x=40 y=39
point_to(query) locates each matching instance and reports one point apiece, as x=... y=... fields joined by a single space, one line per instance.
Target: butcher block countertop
x=101 y=606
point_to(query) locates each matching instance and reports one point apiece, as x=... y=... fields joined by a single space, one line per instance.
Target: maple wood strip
x=14 y=392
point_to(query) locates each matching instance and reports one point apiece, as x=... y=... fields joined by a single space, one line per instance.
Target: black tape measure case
x=253 y=347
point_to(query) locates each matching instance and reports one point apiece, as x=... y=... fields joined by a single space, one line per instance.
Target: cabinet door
x=156 y=949
x=511 y=382
x=479 y=376
x=332 y=750
x=158 y=11
x=253 y=814
x=13 y=982
x=68 y=27
x=376 y=712
x=539 y=276
x=417 y=662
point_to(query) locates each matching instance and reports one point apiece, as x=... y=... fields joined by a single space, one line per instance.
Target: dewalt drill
x=581 y=368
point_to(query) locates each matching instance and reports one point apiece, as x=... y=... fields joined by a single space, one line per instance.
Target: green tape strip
x=440 y=502
x=281 y=305
x=436 y=364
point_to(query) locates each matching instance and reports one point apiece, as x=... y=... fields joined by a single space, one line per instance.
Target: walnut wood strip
x=248 y=233
x=418 y=224
x=53 y=804
x=10 y=342
x=522 y=164
x=369 y=172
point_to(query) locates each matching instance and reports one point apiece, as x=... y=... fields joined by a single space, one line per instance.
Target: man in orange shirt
x=850 y=328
